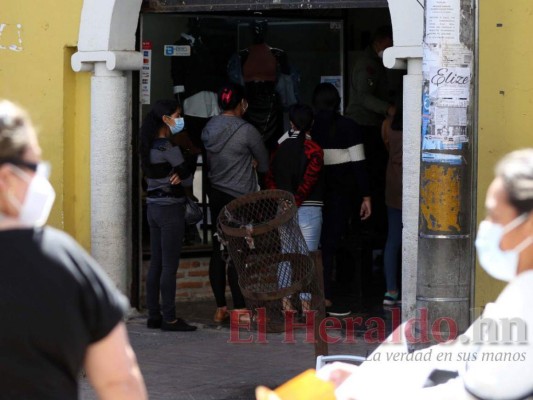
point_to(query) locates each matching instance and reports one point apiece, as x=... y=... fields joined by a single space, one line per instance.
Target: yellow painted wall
x=505 y=99
x=39 y=78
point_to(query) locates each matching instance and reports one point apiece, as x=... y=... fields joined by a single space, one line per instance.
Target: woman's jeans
x=167 y=226
x=392 y=248
x=217 y=266
x=310 y=222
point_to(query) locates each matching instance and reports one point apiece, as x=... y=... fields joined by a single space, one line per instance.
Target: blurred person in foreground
x=493 y=359
x=60 y=312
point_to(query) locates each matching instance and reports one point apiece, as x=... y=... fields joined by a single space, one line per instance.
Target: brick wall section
x=192 y=280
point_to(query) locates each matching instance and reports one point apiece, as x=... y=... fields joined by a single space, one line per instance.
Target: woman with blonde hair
x=60 y=312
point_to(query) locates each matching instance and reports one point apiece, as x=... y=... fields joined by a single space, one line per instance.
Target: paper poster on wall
x=443 y=21
x=450 y=124
x=335 y=80
x=432 y=57
x=439 y=138
x=451 y=159
x=146 y=72
x=445 y=56
x=450 y=83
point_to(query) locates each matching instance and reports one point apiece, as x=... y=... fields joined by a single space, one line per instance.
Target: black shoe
x=154 y=322
x=178 y=325
x=338 y=310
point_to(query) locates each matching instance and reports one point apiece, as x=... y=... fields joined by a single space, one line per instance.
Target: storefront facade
x=87 y=117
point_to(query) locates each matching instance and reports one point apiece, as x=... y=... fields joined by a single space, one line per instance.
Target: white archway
x=408 y=28
x=106 y=46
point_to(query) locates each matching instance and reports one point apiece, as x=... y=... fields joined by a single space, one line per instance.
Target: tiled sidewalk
x=203 y=365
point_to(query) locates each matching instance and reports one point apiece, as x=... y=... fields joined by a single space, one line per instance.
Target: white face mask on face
x=498 y=263
x=39 y=199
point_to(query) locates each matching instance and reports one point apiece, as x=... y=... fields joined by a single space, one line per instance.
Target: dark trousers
x=336 y=214
x=217 y=266
x=376 y=156
x=166 y=235
x=392 y=248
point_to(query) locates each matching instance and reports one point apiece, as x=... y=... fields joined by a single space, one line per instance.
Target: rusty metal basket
x=265 y=243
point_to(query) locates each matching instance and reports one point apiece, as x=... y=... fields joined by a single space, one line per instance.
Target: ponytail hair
x=229 y=96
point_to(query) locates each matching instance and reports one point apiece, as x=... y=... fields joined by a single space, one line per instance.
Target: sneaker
x=154 y=322
x=390 y=299
x=178 y=325
x=338 y=310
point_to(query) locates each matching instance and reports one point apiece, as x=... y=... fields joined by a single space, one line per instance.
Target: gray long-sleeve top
x=163 y=151
x=232 y=144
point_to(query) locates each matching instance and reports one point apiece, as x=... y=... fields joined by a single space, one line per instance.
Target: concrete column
x=412 y=95
x=446 y=170
x=110 y=174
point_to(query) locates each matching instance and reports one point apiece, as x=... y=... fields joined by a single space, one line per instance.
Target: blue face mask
x=179 y=124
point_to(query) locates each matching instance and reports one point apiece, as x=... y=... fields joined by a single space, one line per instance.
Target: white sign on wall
x=146 y=72
x=177 y=51
x=443 y=20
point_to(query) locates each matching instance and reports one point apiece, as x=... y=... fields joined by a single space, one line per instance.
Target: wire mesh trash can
x=275 y=270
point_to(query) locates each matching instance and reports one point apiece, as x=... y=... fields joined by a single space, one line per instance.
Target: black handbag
x=193 y=212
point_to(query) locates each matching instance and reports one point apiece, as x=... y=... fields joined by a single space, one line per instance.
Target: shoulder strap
x=233 y=133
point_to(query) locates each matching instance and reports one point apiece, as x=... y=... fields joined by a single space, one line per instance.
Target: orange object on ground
x=306 y=386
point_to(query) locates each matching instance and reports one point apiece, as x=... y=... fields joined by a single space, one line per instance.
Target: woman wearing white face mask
x=59 y=311
x=494 y=358
x=167 y=176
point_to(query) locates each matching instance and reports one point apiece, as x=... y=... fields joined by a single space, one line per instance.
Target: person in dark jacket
x=235 y=155
x=345 y=176
x=369 y=104
x=166 y=174
x=297 y=168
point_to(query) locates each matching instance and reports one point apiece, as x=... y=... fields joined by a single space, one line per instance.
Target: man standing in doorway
x=369 y=105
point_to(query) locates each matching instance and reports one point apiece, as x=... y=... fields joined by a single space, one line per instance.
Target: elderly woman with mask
x=60 y=312
x=494 y=358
